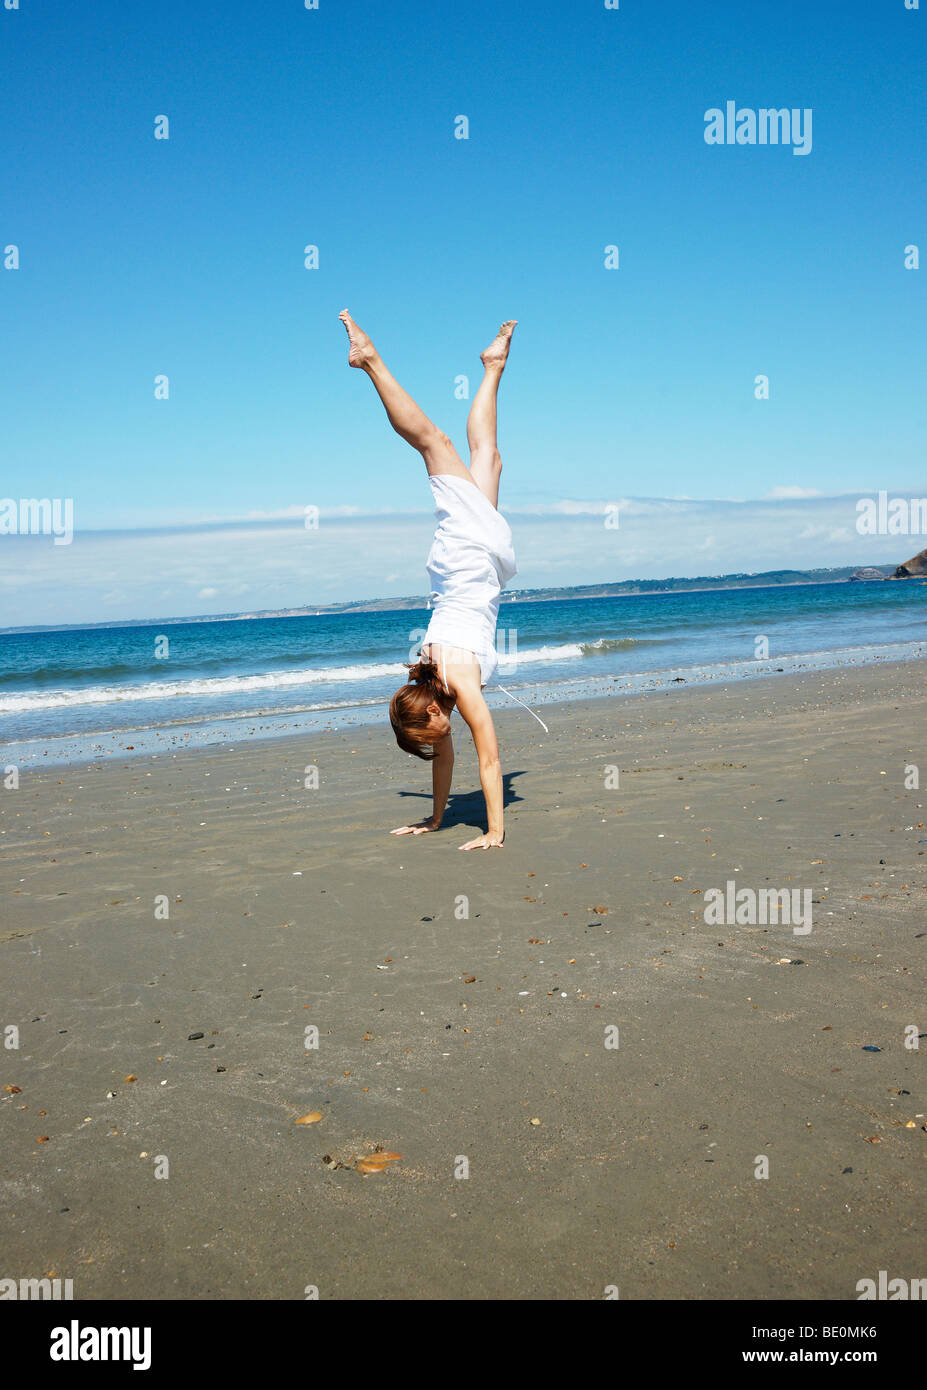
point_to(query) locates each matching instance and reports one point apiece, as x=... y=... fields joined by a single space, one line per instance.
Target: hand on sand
x=420 y=828
x=487 y=841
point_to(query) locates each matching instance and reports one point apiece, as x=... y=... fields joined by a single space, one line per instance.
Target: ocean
x=82 y=694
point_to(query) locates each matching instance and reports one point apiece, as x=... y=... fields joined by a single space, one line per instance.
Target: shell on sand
x=376 y=1162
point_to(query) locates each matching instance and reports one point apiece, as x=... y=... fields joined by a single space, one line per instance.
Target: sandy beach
x=465 y=1006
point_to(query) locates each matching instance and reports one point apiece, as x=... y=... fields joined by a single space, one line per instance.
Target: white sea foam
x=566 y=651
x=191 y=689
x=28 y=701
x=563 y=652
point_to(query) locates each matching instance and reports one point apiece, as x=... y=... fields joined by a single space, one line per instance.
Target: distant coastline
x=622 y=588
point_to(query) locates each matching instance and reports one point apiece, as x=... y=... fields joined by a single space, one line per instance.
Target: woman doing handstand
x=470 y=562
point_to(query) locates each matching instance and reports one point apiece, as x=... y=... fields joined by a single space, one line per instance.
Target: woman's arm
x=442 y=770
x=475 y=711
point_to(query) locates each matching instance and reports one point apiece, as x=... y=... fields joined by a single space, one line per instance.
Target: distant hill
x=915 y=568
x=767 y=579
x=627 y=586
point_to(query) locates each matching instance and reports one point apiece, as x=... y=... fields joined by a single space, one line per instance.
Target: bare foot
x=362 y=350
x=498 y=349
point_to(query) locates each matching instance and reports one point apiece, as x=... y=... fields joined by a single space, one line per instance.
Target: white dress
x=470 y=562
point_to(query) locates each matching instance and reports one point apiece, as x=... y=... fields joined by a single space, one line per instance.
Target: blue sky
x=336 y=127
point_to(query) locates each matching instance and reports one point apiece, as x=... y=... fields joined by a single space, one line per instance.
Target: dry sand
x=292 y=907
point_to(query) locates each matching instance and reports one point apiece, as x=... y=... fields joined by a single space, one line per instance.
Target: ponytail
x=426 y=673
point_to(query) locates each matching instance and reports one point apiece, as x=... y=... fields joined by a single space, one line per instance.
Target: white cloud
x=268 y=564
x=790 y=491
x=570 y=508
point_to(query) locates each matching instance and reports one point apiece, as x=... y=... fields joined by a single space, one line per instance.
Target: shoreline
x=214 y=731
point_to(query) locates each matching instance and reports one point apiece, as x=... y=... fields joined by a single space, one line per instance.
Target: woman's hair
x=408 y=709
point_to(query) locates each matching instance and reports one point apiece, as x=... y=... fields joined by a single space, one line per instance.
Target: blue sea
x=83 y=694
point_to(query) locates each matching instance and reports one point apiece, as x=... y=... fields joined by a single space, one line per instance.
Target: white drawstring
x=501 y=687
x=524 y=706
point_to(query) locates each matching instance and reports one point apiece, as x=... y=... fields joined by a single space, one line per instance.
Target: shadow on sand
x=469 y=808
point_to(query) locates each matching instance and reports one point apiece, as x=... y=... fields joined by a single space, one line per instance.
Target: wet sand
x=461 y=997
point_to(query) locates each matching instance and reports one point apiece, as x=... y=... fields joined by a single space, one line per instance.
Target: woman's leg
x=405 y=416
x=485 y=462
